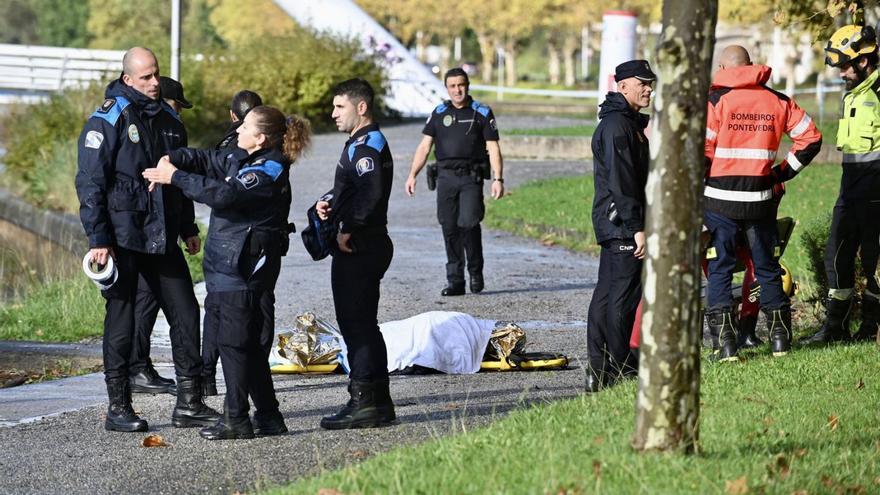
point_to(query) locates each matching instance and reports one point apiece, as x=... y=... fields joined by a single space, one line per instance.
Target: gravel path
x=545 y=289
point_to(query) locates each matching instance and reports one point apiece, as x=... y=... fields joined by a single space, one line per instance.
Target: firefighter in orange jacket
x=746 y=120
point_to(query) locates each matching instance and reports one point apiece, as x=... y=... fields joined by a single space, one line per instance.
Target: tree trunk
x=553 y=61
x=668 y=404
x=510 y=63
x=487 y=53
x=569 y=50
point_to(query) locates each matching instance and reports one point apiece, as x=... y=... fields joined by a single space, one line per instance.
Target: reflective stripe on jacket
x=745 y=124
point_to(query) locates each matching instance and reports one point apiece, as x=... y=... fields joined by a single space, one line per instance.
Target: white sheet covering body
x=443 y=340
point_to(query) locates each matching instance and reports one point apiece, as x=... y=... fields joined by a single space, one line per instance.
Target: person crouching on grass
x=249 y=192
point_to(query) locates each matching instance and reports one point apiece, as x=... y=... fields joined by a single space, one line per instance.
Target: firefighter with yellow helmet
x=854 y=226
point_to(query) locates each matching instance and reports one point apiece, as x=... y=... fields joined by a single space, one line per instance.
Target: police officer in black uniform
x=138 y=229
x=358 y=206
x=249 y=192
x=620 y=169
x=242 y=103
x=144 y=378
x=467 y=139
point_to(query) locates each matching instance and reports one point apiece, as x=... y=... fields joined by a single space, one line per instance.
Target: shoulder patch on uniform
x=480 y=108
x=94 y=139
x=269 y=167
x=111 y=109
x=249 y=180
x=441 y=107
x=365 y=165
x=376 y=140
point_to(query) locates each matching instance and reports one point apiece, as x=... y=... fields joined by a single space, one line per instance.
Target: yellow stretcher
x=528 y=361
x=311 y=369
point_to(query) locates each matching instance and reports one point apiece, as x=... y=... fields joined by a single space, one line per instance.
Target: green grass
x=585 y=131
x=68 y=310
x=766 y=426
x=557 y=211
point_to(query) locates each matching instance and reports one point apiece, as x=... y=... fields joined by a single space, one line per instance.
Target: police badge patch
x=447 y=120
x=364 y=165
x=133 y=134
x=249 y=180
x=107 y=105
x=493 y=125
x=94 y=139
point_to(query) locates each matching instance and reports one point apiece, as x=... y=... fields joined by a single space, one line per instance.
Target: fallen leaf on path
x=360 y=454
x=832 y=422
x=154 y=441
x=739 y=486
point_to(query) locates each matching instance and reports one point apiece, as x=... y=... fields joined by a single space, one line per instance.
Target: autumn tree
x=668 y=404
x=236 y=24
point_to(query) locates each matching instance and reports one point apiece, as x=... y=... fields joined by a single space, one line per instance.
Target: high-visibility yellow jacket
x=858 y=136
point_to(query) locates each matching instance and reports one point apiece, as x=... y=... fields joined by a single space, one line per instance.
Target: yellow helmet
x=849 y=43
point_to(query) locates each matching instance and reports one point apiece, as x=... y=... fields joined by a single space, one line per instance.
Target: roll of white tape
x=103 y=276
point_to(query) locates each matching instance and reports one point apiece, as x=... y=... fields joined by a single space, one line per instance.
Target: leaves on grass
x=154 y=441
x=739 y=486
x=598 y=440
x=548 y=241
x=779 y=467
x=832 y=422
x=860 y=385
x=597 y=469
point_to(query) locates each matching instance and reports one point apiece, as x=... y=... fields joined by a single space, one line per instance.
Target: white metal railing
x=29 y=70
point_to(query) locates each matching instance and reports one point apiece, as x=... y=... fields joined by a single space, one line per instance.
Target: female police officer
x=249 y=191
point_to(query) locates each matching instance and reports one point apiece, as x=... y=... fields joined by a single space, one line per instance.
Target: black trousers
x=460 y=210
x=244 y=325
x=168 y=278
x=355 y=280
x=855 y=228
x=613 y=310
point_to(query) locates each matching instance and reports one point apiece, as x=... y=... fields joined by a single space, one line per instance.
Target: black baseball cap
x=173 y=90
x=634 y=68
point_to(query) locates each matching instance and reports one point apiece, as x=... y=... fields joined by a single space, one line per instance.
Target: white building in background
x=414 y=90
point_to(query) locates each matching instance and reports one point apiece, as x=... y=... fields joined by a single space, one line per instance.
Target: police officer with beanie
x=855 y=229
x=144 y=378
x=358 y=206
x=138 y=228
x=620 y=171
x=466 y=138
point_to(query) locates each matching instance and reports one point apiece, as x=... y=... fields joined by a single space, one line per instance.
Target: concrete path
x=545 y=289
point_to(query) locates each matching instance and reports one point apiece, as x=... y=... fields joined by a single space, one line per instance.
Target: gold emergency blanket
x=312 y=341
x=507 y=338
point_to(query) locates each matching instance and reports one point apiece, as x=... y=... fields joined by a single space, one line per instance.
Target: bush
x=814 y=237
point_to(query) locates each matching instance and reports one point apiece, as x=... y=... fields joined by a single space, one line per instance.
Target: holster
x=431 y=176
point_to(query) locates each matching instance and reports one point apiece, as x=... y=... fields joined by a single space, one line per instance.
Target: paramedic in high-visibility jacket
x=745 y=124
x=855 y=228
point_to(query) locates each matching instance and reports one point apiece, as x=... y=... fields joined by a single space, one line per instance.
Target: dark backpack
x=319 y=236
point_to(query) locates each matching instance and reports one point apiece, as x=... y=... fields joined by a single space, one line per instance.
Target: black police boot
x=269 y=425
x=361 y=411
x=779 y=328
x=148 y=381
x=384 y=404
x=748 y=338
x=834 y=329
x=723 y=328
x=453 y=290
x=870 y=319
x=190 y=410
x=209 y=386
x=229 y=429
x=477 y=283
x=120 y=415
x=595 y=381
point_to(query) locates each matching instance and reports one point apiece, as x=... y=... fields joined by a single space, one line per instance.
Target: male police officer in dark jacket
x=620 y=169
x=143 y=376
x=466 y=136
x=242 y=103
x=131 y=130
x=359 y=207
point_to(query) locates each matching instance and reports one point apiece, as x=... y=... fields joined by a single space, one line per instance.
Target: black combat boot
x=779 y=328
x=269 y=425
x=384 y=404
x=227 y=428
x=595 y=381
x=361 y=411
x=148 y=381
x=190 y=410
x=120 y=415
x=453 y=290
x=870 y=319
x=209 y=386
x=835 y=328
x=748 y=338
x=477 y=283
x=723 y=329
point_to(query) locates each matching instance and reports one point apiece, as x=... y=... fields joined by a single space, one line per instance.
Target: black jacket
x=125 y=136
x=230 y=139
x=250 y=200
x=620 y=170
